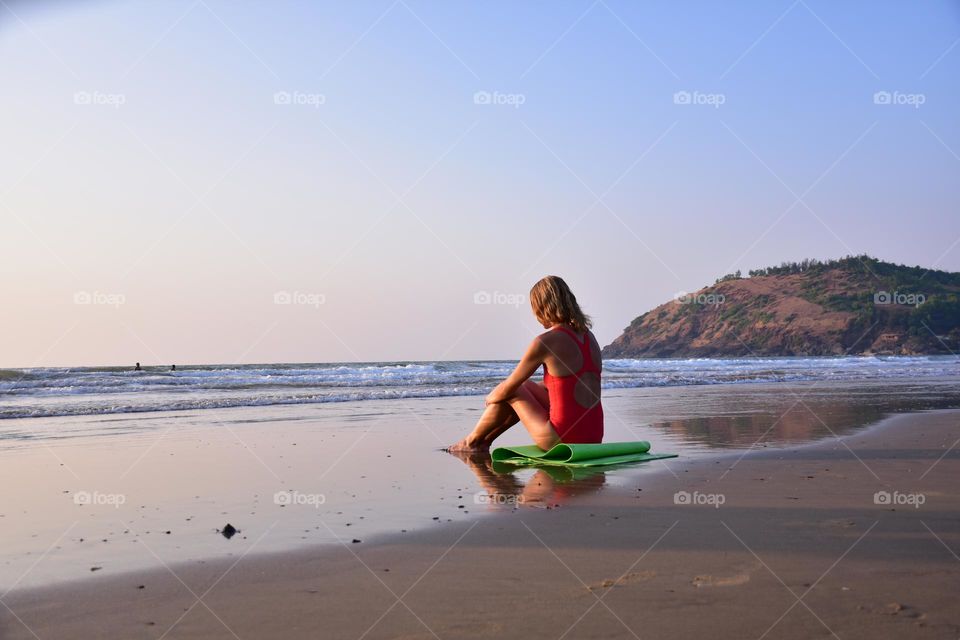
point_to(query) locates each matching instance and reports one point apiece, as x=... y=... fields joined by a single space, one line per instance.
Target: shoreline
x=278 y=385
x=824 y=488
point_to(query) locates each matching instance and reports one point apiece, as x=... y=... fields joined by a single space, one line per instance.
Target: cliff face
x=856 y=305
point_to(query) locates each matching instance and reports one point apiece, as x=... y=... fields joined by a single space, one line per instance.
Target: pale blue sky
x=186 y=192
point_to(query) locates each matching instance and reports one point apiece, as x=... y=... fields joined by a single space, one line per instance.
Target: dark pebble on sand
x=141 y=586
x=229 y=531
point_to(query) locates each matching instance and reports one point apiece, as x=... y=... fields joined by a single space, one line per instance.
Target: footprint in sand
x=735 y=580
x=636 y=576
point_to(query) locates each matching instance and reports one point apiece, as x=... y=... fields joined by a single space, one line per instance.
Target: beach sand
x=781 y=542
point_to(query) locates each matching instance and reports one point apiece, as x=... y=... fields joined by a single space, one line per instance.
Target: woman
x=566 y=407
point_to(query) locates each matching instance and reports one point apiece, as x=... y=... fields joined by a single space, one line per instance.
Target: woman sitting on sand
x=566 y=406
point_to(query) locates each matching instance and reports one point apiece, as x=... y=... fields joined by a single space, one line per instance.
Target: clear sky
x=171 y=169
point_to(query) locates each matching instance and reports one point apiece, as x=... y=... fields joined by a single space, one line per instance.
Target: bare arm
x=527 y=366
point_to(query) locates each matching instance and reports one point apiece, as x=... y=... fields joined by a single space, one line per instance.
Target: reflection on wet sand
x=797 y=424
x=746 y=418
x=547 y=487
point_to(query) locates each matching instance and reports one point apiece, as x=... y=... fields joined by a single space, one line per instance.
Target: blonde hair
x=553 y=303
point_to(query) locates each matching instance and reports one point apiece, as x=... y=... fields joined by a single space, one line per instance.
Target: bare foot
x=468 y=446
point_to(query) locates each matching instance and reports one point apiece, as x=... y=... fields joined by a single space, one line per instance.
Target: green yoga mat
x=578 y=455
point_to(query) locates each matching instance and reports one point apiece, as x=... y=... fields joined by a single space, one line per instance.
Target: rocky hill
x=854 y=305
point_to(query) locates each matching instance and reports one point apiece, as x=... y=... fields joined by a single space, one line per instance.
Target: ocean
x=50 y=392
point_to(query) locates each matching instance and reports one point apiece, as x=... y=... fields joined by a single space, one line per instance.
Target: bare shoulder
x=546 y=340
x=543 y=341
x=547 y=336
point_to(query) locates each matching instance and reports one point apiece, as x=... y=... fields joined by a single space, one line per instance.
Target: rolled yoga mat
x=578 y=455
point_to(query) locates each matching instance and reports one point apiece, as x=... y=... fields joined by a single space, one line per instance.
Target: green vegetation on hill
x=921 y=301
x=855 y=304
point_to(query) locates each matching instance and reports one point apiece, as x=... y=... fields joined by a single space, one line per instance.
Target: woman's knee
x=523 y=394
x=538 y=392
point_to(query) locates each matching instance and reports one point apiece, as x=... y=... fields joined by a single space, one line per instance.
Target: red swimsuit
x=572 y=422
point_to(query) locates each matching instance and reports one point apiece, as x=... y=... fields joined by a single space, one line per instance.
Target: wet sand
x=781 y=542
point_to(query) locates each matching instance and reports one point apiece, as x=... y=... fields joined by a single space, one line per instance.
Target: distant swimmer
x=173 y=367
x=137 y=368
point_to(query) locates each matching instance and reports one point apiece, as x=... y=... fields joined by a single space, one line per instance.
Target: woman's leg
x=533 y=400
x=534 y=415
x=505 y=417
x=496 y=418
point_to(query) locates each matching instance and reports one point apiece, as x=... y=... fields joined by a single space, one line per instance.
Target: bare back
x=564 y=358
